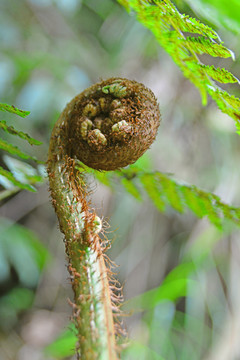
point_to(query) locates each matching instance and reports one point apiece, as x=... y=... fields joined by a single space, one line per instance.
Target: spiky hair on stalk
x=106 y=127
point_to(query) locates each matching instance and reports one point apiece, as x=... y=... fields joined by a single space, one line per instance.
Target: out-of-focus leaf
x=7 y=192
x=22 y=250
x=21 y=175
x=163 y=190
x=63 y=346
x=170 y=190
x=203 y=244
x=8 y=180
x=22 y=171
x=131 y=188
x=174 y=286
x=140 y=352
x=11 y=304
x=152 y=190
x=103 y=177
x=14 y=150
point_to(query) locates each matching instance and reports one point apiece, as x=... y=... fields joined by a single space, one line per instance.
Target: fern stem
x=88 y=273
x=108 y=126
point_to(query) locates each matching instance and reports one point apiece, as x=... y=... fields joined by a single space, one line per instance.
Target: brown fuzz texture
x=112 y=123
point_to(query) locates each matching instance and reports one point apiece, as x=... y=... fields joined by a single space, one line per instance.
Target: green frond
x=166 y=192
x=21 y=174
x=223 y=96
x=10 y=177
x=196 y=205
x=103 y=178
x=200 y=202
x=131 y=188
x=14 y=150
x=150 y=186
x=228 y=104
x=175 y=285
x=12 y=131
x=172 y=30
x=219 y=74
x=170 y=191
x=191 y=25
x=22 y=171
x=201 y=45
x=12 y=109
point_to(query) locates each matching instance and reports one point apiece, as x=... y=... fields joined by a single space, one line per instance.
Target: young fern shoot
x=108 y=126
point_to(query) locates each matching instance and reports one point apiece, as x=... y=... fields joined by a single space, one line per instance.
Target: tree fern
x=165 y=192
x=21 y=174
x=172 y=29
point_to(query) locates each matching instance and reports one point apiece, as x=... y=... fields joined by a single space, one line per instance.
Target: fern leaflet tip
x=13 y=109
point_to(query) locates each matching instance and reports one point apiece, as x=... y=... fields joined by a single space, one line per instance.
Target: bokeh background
x=50 y=50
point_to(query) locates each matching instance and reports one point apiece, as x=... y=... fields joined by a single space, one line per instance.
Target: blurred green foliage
x=21 y=175
x=22 y=253
x=64 y=345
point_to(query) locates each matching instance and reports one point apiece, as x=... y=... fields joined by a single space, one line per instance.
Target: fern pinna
x=21 y=175
x=185 y=38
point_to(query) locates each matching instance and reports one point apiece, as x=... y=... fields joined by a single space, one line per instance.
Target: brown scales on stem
x=108 y=126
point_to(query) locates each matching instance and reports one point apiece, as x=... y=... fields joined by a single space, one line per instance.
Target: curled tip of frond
x=111 y=124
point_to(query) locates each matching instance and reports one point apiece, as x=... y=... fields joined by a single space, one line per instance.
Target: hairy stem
x=92 y=297
x=108 y=126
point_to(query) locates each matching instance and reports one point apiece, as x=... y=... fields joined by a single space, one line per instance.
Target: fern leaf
x=231 y=213
x=131 y=188
x=164 y=191
x=103 y=178
x=22 y=175
x=12 y=131
x=223 y=96
x=22 y=171
x=196 y=205
x=219 y=74
x=14 y=150
x=171 y=191
x=150 y=186
x=201 y=45
x=12 y=109
x=191 y=25
x=169 y=28
x=10 y=177
x=202 y=203
x=228 y=104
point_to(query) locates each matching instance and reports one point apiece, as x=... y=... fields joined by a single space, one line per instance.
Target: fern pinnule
x=171 y=30
x=9 y=179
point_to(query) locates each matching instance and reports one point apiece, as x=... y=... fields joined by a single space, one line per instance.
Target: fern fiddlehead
x=108 y=126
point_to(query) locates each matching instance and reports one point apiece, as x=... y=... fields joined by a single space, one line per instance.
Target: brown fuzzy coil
x=112 y=123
